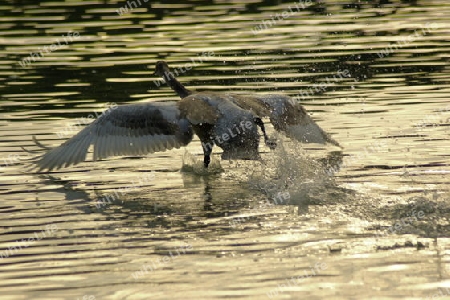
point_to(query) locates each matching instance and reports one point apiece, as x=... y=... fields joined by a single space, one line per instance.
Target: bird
x=286 y=115
x=227 y=120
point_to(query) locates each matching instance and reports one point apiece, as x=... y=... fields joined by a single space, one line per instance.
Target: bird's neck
x=176 y=85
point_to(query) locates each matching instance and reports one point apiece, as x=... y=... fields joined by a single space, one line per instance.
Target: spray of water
x=289 y=170
x=193 y=165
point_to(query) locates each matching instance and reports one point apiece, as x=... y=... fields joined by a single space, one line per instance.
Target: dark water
x=376 y=227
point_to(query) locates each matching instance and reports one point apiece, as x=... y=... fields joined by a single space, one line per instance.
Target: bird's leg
x=260 y=123
x=207 y=149
x=270 y=143
x=205 y=133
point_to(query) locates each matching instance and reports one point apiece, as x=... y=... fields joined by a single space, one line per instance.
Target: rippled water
x=376 y=228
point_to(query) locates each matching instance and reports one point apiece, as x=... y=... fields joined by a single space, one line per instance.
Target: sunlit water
x=366 y=221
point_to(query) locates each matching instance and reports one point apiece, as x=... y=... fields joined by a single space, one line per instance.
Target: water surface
x=370 y=220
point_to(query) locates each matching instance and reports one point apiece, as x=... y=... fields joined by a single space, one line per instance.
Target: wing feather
x=286 y=115
x=96 y=149
x=117 y=143
x=109 y=148
x=128 y=130
x=71 y=153
x=82 y=150
x=126 y=144
x=158 y=143
x=140 y=143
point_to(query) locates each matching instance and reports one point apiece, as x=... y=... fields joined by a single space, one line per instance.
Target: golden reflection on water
x=391 y=116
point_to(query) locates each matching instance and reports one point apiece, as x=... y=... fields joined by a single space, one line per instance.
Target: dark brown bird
x=227 y=120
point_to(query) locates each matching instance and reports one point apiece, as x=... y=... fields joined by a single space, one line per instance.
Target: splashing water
x=193 y=165
x=290 y=176
x=287 y=176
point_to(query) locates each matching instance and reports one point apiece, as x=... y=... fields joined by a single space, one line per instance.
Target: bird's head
x=161 y=68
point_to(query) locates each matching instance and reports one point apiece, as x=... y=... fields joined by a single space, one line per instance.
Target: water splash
x=290 y=170
x=193 y=165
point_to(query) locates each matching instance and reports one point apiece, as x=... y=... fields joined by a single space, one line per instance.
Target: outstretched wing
x=127 y=130
x=286 y=115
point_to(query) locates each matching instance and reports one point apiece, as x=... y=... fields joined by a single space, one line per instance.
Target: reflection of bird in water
x=227 y=120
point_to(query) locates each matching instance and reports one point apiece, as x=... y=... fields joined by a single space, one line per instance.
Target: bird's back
x=234 y=129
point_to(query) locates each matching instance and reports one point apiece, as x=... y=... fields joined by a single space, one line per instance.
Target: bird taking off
x=229 y=121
